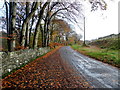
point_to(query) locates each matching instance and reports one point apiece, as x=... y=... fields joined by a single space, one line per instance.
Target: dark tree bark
x=7 y=25
x=27 y=27
x=30 y=31
x=13 y=23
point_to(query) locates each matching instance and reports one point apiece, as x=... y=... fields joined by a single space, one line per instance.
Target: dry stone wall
x=13 y=60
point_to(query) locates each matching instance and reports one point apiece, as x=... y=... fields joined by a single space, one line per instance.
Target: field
x=105 y=55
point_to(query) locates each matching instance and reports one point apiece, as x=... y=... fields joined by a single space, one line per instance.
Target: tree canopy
x=26 y=22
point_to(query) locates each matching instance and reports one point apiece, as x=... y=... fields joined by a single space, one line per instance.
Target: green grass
x=105 y=55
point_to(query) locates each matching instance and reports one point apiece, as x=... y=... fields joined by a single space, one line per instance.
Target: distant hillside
x=113 y=36
x=111 y=42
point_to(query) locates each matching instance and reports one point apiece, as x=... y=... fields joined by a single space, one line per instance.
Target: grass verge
x=105 y=55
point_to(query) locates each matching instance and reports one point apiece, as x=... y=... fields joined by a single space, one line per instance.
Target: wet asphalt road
x=98 y=74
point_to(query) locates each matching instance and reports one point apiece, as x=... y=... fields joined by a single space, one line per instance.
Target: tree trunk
x=51 y=33
x=13 y=22
x=48 y=38
x=27 y=28
x=8 y=32
x=45 y=35
x=30 y=32
x=48 y=33
x=42 y=35
x=37 y=30
x=45 y=30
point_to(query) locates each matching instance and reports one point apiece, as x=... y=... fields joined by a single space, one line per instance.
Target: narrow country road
x=99 y=74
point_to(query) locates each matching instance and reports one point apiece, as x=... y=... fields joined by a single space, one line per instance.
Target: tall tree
x=7 y=25
x=13 y=24
x=28 y=25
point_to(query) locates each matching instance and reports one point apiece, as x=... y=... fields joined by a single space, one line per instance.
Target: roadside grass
x=105 y=55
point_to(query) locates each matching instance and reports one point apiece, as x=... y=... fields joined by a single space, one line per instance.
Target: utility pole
x=84 y=32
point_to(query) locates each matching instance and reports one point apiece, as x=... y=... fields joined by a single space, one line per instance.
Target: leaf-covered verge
x=105 y=55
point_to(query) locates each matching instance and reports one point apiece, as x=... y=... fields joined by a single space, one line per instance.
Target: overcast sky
x=101 y=23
